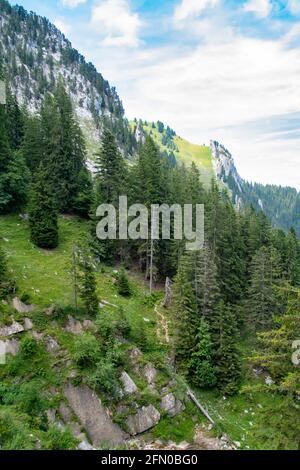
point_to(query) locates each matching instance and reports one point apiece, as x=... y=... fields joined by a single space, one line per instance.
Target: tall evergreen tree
x=43 y=212
x=201 y=366
x=226 y=353
x=86 y=280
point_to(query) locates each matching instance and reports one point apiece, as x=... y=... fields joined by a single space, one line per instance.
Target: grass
x=42 y=274
x=186 y=153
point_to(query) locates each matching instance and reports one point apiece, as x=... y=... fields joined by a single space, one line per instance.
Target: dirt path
x=162 y=325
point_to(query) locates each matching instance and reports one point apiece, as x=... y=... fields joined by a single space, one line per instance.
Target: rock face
x=93 y=416
x=146 y=418
x=51 y=345
x=128 y=384
x=11 y=330
x=171 y=405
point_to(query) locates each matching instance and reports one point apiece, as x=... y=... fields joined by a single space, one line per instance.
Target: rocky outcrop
x=11 y=330
x=93 y=416
x=73 y=326
x=171 y=405
x=128 y=384
x=11 y=346
x=145 y=419
x=28 y=324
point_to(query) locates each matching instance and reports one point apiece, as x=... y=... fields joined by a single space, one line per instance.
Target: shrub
x=87 y=350
x=123 y=284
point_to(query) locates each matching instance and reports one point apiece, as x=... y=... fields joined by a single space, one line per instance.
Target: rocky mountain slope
x=36 y=55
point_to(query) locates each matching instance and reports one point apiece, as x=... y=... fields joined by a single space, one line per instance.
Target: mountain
x=37 y=55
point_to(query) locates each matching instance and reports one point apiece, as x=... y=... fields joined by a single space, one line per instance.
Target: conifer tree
x=226 y=353
x=201 y=366
x=86 y=280
x=123 y=284
x=262 y=302
x=43 y=212
x=205 y=283
x=293 y=258
x=32 y=145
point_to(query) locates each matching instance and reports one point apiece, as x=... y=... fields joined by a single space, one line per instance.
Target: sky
x=227 y=70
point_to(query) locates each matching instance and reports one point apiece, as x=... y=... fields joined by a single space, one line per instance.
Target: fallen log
x=199 y=406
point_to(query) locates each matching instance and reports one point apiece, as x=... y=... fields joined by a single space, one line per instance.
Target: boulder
x=28 y=324
x=10 y=346
x=128 y=384
x=145 y=419
x=11 y=330
x=89 y=325
x=73 y=326
x=93 y=416
x=171 y=404
x=51 y=414
x=65 y=412
x=51 y=345
x=21 y=307
x=150 y=373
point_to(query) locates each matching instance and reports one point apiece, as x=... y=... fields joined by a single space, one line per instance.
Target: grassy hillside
x=46 y=277
x=183 y=151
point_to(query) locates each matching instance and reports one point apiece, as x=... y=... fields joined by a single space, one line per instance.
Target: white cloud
x=62 y=25
x=72 y=3
x=294 y=6
x=261 y=8
x=115 y=19
x=191 y=8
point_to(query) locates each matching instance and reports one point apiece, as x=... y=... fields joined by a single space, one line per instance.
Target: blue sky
x=227 y=70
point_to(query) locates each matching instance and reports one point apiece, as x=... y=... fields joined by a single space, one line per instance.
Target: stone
x=10 y=346
x=51 y=416
x=11 y=330
x=145 y=419
x=49 y=311
x=38 y=336
x=28 y=325
x=89 y=325
x=150 y=373
x=21 y=307
x=51 y=345
x=84 y=445
x=134 y=354
x=73 y=326
x=129 y=386
x=269 y=381
x=65 y=412
x=93 y=416
x=171 y=405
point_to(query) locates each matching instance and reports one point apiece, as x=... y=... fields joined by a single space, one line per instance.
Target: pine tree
x=226 y=353
x=205 y=283
x=293 y=258
x=201 y=366
x=43 y=212
x=32 y=145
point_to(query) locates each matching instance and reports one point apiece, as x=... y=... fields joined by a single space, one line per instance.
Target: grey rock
x=73 y=326
x=129 y=386
x=51 y=345
x=11 y=330
x=51 y=416
x=10 y=346
x=21 y=307
x=84 y=445
x=145 y=419
x=65 y=412
x=89 y=325
x=171 y=404
x=28 y=324
x=93 y=416
x=150 y=373
x=38 y=336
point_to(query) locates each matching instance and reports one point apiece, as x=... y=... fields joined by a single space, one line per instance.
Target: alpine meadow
x=149 y=294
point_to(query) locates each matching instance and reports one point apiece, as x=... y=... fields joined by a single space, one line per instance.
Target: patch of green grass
x=42 y=274
x=178 y=429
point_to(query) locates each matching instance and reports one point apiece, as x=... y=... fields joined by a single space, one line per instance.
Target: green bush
x=86 y=350
x=29 y=347
x=55 y=439
x=105 y=377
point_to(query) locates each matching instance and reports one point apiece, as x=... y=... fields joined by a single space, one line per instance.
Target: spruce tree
x=32 y=145
x=86 y=280
x=123 y=284
x=262 y=302
x=201 y=366
x=43 y=220
x=205 y=283
x=226 y=353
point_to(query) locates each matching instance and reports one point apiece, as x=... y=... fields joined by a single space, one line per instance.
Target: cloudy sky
x=227 y=70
